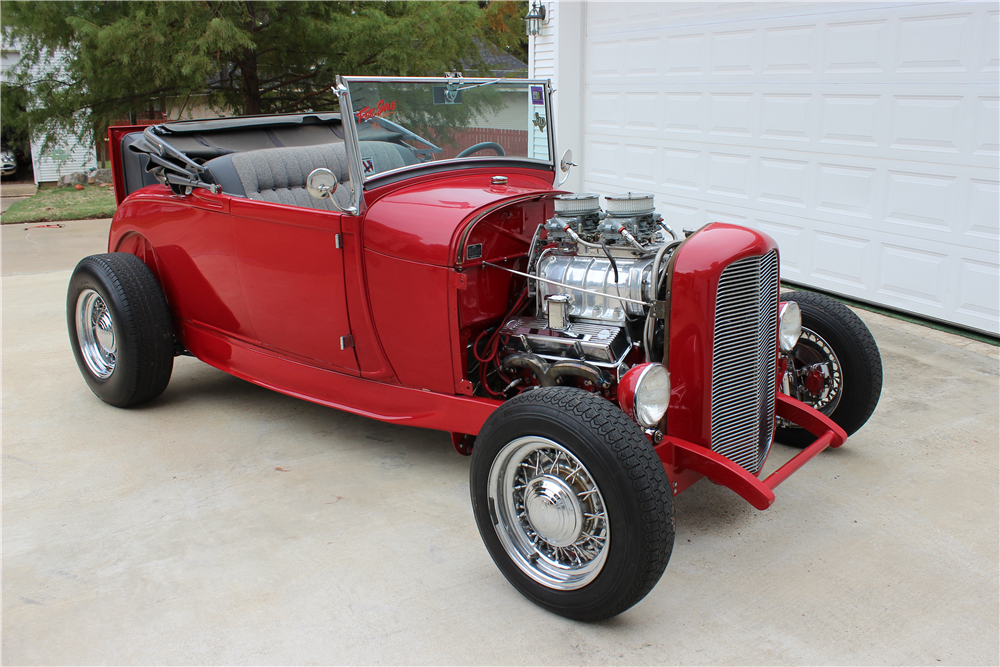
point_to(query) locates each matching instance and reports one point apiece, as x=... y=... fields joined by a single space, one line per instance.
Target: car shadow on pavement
x=195 y=385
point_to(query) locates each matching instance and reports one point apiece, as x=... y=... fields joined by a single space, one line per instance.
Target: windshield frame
x=349 y=121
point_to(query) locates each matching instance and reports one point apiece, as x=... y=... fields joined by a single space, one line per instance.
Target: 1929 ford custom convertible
x=411 y=259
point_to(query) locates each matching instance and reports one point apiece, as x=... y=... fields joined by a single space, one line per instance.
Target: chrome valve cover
x=601 y=344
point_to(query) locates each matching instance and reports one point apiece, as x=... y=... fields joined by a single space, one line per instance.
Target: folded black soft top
x=243 y=122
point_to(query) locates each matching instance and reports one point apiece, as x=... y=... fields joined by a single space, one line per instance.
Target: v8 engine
x=593 y=276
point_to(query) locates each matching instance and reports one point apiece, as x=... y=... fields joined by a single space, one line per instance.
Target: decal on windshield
x=381 y=109
x=537 y=97
x=368 y=164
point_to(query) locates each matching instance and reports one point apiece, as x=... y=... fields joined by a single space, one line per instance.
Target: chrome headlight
x=644 y=393
x=789 y=325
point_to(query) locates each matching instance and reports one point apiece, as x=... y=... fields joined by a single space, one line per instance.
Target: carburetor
x=630 y=218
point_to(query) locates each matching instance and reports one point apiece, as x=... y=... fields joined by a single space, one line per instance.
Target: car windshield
x=430 y=120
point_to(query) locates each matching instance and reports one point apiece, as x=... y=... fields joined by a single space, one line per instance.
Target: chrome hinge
x=346 y=342
x=337 y=237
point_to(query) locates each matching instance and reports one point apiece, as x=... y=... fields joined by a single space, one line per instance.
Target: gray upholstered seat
x=278 y=175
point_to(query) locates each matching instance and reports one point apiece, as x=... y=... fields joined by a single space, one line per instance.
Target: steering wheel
x=491 y=145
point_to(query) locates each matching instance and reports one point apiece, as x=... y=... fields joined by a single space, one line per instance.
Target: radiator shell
x=699 y=265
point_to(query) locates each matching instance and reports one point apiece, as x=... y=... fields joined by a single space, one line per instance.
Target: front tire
x=120 y=328
x=835 y=367
x=572 y=502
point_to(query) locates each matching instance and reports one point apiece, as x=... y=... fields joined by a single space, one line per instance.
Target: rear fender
x=136 y=244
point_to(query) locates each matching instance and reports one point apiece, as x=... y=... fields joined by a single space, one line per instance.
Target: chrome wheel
x=550 y=515
x=814 y=375
x=95 y=332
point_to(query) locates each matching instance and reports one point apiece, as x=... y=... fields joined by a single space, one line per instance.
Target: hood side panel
x=422 y=222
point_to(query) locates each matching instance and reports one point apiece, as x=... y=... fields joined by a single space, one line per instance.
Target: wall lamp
x=534 y=18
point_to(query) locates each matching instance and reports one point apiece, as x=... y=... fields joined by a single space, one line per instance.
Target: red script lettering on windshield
x=372 y=112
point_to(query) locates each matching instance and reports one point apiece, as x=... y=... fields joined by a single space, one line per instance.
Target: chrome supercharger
x=595 y=279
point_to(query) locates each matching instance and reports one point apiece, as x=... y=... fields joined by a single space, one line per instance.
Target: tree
x=106 y=60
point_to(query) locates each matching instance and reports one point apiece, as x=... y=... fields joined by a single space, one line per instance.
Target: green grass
x=68 y=203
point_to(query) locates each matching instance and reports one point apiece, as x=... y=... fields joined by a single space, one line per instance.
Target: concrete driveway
x=224 y=523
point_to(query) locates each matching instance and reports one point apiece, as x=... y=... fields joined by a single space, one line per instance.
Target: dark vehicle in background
x=8 y=161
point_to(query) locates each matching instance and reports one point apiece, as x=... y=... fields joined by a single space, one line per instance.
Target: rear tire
x=120 y=328
x=572 y=502
x=832 y=335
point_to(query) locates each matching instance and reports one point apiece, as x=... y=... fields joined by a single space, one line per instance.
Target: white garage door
x=862 y=137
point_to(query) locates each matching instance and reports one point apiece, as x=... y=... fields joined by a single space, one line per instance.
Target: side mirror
x=321 y=183
x=565 y=164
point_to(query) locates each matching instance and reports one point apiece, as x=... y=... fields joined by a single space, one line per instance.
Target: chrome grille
x=744 y=358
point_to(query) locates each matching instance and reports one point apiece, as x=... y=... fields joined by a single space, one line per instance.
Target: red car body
x=593 y=363
x=317 y=304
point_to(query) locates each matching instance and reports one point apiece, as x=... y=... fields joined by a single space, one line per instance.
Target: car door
x=292 y=271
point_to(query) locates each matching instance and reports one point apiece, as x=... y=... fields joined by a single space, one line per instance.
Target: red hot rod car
x=411 y=259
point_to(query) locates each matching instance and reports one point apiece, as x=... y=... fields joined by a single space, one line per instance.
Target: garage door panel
x=989 y=59
x=603 y=60
x=849 y=120
x=604 y=162
x=840 y=259
x=983 y=218
x=685 y=54
x=856 y=47
x=682 y=112
x=935 y=43
x=978 y=290
x=786 y=116
x=681 y=169
x=927 y=123
x=846 y=190
x=791 y=49
x=987 y=136
x=639 y=160
x=642 y=55
x=783 y=182
x=731 y=114
x=734 y=52
x=922 y=202
x=641 y=112
x=913 y=275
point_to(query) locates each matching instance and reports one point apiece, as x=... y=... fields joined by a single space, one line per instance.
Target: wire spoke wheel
x=572 y=502
x=551 y=515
